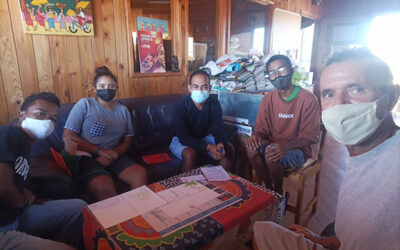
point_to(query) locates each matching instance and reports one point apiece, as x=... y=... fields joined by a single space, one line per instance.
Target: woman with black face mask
x=103 y=128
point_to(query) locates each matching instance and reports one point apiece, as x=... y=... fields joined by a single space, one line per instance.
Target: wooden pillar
x=269 y=19
x=223 y=27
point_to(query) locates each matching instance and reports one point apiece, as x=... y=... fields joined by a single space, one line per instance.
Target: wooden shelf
x=141 y=75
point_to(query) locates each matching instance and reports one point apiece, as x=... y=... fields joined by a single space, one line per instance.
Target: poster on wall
x=152 y=24
x=57 y=17
x=151 y=52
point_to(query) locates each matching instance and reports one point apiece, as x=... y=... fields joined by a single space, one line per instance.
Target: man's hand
x=327 y=242
x=254 y=142
x=274 y=152
x=305 y=231
x=214 y=152
x=221 y=149
x=29 y=196
x=104 y=161
x=110 y=154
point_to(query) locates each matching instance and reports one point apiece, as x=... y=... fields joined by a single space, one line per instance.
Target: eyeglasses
x=278 y=72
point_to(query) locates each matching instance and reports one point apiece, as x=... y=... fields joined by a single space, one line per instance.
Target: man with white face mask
x=198 y=126
x=26 y=222
x=357 y=96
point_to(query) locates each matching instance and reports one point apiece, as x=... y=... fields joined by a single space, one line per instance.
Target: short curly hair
x=279 y=57
x=46 y=96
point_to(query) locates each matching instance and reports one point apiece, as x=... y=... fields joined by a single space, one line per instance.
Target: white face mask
x=352 y=124
x=38 y=129
x=199 y=96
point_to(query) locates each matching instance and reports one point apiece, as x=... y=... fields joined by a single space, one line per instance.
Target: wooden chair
x=311 y=168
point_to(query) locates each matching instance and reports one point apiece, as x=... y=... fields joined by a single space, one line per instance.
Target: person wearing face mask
x=357 y=96
x=25 y=221
x=198 y=127
x=287 y=124
x=103 y=128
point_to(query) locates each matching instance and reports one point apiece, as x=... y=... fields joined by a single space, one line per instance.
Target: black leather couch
x=152 y=121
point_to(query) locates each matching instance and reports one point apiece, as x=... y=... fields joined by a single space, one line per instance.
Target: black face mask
x=282 y=82
x=106 y=94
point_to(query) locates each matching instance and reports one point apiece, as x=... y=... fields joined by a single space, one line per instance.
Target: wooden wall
x=302 y=7
x=65 y=64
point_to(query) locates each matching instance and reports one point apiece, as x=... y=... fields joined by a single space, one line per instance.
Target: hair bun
x=103 y=71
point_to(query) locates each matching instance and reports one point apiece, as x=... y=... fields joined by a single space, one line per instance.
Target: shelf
x=143 y=75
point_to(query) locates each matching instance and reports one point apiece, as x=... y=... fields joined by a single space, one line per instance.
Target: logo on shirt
x=21 y=167
x=286 y=116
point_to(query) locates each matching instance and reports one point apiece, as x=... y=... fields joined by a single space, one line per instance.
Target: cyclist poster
x=57 y=17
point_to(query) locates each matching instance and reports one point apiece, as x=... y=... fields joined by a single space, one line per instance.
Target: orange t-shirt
x=280 y=121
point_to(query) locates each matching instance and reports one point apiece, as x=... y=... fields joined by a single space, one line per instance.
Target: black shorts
x=89 y=167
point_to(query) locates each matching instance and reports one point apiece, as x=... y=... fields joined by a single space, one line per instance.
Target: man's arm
x=83 y=145
x=86 y=146
x=217 y=125
x=332 y=243
x=124 y=146
x=260 y=137
x=9 y=194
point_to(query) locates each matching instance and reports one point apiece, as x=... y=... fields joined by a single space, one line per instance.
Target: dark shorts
x=90 y=168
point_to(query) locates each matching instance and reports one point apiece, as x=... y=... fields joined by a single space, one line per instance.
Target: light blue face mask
x=199 y=96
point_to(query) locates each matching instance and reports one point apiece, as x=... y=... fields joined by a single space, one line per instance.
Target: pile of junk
x=237 y=74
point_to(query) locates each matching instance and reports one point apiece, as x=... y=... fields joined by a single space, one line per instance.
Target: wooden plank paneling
x=43 y=63
x=155 y=84
x=110 y=51
x=74 y=68
x=97 y=42
x=141 y=87
x=59 y=65
x=87 y=66
x=133 y=14
x=9 y=64
x=25 y=53
x=222 y=27
x=65 y=64
x=121 y=21
x=4 y=119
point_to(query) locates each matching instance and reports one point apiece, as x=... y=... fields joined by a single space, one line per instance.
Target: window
x=247 y=27
x=201 y=40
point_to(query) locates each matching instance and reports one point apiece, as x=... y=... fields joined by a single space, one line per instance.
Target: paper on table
x=192 y=178
x=189 y=203
x=143 y=199
x=125 y=206
x=216 y=173
x=112 y=211
x=181 y=191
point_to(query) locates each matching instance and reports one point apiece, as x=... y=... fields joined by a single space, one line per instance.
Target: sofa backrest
x=152 y=118
x=152 y=123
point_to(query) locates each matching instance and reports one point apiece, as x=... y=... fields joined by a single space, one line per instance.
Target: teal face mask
x=351 y=124
x=199 y=96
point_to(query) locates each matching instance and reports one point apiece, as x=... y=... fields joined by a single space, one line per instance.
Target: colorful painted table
x=230 y=224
